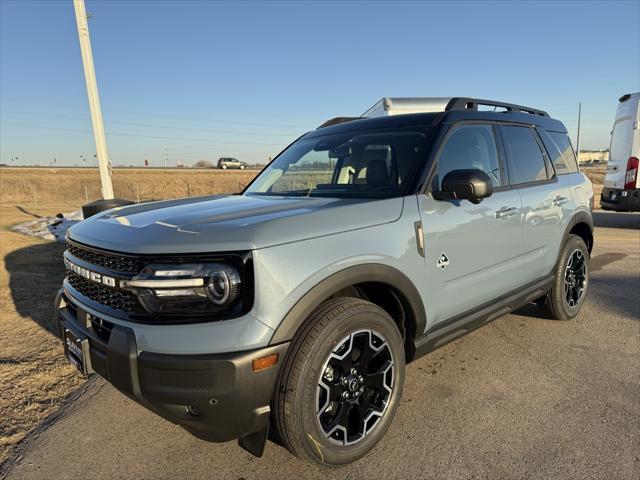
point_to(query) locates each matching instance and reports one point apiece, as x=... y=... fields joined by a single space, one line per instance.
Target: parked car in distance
x=289 y=311
x=228 y=162
x=621 y=190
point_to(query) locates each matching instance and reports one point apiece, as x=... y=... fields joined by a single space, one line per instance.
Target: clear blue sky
x=212 y=79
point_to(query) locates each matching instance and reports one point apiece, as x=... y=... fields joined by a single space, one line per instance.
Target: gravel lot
x=522 y=397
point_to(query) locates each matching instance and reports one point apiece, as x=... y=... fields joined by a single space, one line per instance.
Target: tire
x=556 y=304
x=224 y=167
x=303 y=390
x=242 y=167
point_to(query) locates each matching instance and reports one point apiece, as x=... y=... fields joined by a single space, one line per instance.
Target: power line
x=161 y=115
x=185 y=139
x=169 y=127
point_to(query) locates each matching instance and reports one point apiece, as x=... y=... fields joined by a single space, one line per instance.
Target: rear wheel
x=571 y=281
x=224 y=167
x=341 y=384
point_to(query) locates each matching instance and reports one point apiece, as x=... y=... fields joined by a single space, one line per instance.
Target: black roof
x=429 y=119
x=456 y=109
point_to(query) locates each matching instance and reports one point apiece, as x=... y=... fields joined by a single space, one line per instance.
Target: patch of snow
x=50 y=228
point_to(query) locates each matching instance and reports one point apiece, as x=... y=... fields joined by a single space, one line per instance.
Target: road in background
x=520 y=397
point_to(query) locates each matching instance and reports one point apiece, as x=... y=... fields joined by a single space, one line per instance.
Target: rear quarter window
x=564 y=145
x=560 y=151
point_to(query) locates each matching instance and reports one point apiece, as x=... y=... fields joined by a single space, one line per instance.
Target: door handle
x=560 y=200
x=506 y=212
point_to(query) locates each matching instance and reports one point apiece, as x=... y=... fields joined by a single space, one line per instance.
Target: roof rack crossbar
x=463 y=103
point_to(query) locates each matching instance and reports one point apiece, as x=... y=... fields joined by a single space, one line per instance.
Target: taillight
x=632 y=173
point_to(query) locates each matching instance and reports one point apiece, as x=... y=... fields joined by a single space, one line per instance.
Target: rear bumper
x=226 y=398
x=620 y=200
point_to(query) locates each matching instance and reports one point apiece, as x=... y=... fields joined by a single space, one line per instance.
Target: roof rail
x=463 y=103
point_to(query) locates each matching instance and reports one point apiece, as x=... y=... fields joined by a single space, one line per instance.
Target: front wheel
x=341 y=384
x=571 y=281
x=242 y=167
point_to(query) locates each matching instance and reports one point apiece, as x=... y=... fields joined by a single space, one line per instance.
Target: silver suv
x=290 y=311
x=225 y=163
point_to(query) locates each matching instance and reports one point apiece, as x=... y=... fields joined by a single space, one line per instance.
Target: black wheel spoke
x=365 y=356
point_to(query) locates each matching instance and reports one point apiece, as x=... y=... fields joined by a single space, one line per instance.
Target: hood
x=229 y=223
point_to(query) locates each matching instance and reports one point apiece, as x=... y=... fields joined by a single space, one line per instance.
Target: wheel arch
x=581 y=224
x=362 y=278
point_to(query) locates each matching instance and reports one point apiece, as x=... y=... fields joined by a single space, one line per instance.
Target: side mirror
x=471 y=184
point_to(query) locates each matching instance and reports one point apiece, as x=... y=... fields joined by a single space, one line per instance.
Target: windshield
x=356 y=164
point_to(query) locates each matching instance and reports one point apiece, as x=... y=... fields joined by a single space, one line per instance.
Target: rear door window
x=524 y=158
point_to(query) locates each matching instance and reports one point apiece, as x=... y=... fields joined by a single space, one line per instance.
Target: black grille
x=112 y=261
x=104 y=295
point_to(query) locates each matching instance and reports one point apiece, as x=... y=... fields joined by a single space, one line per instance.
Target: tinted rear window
x=524 y=157
x=563 y=163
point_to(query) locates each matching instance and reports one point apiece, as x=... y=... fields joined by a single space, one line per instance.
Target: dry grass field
x=35 y=380
x=77 y=185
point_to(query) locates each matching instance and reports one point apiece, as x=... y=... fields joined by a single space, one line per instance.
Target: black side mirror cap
x=468 y=184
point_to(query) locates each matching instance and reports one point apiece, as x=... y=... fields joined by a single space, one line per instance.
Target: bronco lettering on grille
x=89 y=275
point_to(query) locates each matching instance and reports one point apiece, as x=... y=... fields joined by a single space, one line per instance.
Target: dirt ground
x=35 y=379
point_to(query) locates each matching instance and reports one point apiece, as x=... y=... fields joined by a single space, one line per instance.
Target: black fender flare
x=370 y=272
x=579 y=217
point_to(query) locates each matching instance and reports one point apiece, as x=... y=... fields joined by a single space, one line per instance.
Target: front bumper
x=216 y=397
x=620 y=200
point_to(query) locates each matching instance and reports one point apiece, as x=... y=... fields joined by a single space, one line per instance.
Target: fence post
x=137 y=193
x=86 y=194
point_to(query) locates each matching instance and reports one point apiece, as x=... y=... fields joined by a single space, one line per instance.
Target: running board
x=449 y=330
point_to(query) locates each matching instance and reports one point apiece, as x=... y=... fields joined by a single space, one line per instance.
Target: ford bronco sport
x=290 y=311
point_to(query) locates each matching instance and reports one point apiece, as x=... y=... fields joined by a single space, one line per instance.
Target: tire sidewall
x=305 y=402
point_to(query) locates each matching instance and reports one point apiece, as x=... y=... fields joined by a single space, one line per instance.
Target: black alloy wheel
x=341 y=383
x=355 y=386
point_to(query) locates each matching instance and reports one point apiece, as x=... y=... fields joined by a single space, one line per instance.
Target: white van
x=621 y=190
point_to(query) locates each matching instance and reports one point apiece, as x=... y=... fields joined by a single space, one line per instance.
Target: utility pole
x=578 y=135
x=165 y=155
x=94 y=99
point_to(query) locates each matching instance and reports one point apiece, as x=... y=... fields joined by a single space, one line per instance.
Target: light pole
x=578 y=134
x=94 y=99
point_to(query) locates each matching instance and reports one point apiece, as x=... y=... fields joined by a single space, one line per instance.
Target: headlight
x=223 y=285
x=186 y=288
